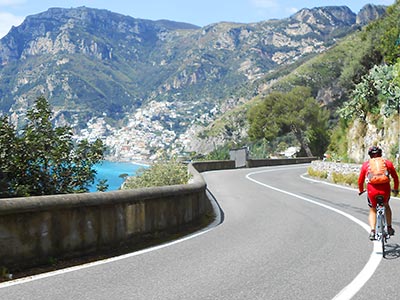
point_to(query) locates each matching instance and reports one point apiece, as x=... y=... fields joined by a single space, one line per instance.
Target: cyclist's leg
x=372 y=210
x=372 y=218
x=388 y=211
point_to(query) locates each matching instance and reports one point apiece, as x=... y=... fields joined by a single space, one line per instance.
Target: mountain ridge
x=189 y=72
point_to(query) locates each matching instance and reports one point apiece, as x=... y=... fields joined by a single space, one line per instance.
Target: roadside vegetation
x=295 y=112
x=159 y=174
x=317 y=173
x=40 y=159
x=375 y=98
x=347 y=179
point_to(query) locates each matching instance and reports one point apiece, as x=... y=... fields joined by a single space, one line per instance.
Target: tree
x=102 y=186
x=8 y=145
x=43 y=160
x=296 y=112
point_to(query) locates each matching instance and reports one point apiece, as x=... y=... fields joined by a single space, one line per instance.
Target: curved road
x=282 y=237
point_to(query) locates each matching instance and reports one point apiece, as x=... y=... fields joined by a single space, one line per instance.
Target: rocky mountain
x=370 y=12
x=147 y=85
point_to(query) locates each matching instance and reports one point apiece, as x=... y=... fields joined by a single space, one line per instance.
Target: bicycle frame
x=381 y=232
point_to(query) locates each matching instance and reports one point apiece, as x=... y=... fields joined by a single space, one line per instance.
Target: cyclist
x=378 y=189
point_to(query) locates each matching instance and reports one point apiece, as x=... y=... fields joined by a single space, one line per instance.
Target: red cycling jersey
x=378 y=189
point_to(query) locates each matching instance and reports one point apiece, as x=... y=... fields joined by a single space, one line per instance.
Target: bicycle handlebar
x=360 y=193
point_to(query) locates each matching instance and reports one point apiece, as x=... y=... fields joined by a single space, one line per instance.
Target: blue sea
x=111 y=171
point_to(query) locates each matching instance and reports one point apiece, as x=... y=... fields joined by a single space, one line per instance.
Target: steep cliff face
x=82 y=30
x=364 y=134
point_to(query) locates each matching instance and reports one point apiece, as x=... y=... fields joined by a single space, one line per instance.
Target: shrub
x=159 y=174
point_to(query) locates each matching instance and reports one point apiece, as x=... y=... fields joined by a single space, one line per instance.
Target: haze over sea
x=111 y=171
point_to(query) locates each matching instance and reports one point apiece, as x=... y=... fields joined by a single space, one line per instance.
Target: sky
x=197 y=12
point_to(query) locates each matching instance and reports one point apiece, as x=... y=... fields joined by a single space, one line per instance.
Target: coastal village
x=148 y=133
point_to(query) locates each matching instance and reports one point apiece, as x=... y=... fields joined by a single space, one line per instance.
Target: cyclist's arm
x=361 y=177
x=394 y=175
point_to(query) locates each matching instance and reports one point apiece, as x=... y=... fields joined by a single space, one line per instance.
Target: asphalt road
x=282 y=237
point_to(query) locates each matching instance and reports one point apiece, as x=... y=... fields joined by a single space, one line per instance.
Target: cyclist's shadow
x=392 y=251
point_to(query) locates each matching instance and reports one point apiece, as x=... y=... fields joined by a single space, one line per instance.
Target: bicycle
x=381 y=230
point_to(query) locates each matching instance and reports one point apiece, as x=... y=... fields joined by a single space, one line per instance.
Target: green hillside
x=333 y=78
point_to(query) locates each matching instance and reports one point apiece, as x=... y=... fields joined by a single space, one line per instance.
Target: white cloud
x=292 y=10
x=7 y=20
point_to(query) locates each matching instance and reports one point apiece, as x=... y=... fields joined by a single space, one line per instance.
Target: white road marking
x=376 y=256
x=347 y=293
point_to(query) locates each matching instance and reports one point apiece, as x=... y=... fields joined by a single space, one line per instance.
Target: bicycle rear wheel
x=382 y=234
x=381 y=231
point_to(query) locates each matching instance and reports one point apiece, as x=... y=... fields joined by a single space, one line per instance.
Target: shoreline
x=142 y=163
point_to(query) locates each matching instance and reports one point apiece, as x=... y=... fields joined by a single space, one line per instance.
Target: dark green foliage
x=42 y=160
x=338 y=141
x=295 y=112
x=8 y=148
x=102 y=186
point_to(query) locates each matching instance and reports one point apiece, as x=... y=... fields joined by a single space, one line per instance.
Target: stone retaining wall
x=334 y=167
x=253 y=163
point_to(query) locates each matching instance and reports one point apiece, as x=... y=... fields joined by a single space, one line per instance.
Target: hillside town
x=145 y=137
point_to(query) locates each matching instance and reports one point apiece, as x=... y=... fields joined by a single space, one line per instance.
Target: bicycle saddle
x=379 y=199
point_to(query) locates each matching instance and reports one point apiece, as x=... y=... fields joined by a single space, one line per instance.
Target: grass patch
x=349 y=179
x=316 y=173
